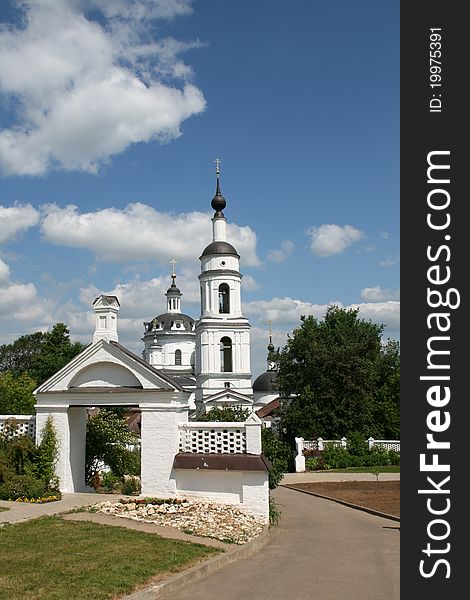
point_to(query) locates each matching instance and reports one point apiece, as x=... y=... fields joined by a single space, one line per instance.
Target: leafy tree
x=18 y=356
x=338 y=377
x=227 y=414
x=16 y=394
x=55 y=352
x=40 y=355
x=106 y=441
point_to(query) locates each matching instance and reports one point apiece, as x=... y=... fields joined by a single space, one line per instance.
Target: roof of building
x=268 y=408
x=219 y=248
x=266 y=382
x=165 y=321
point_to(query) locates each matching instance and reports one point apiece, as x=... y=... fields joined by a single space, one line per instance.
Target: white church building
x=187 y=367
x=210 y=356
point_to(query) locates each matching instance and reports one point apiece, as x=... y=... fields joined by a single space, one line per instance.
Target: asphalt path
x=320 y=550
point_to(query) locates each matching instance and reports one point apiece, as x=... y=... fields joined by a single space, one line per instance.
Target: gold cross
x=269 y=322
x=217 y=163
x=173 y=262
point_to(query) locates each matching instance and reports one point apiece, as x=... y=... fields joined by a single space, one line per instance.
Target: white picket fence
x=320 y=444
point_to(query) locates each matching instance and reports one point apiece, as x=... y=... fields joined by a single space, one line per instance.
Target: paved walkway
x=23 y=511
x=320 y=550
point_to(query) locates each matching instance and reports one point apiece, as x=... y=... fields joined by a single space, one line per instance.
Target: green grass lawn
x=384 y=469
x=53 y=559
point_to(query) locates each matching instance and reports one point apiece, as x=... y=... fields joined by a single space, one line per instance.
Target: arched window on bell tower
x=177 y=357
x=226 y=355
x=224 y=298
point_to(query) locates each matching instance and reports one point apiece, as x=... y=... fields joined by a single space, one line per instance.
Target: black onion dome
x=165 y=322
x=218 y=201
x=266 y=382
x=220 y=248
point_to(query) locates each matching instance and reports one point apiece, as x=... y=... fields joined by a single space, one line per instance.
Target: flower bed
x=52 y=498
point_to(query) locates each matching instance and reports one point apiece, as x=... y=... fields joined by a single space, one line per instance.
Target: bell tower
x=222 y=332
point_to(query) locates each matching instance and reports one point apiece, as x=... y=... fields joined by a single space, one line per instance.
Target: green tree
x=46 y=457
x=18 y=356
x=338 y=377
x=16 y=394
x=107 y=438
x=228 y=414
x=40 y=355
x=55 y=352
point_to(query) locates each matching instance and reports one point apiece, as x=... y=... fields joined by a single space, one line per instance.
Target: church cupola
x=173 y=294
x=169 y=338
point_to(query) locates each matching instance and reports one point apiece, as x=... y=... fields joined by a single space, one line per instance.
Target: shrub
x=130 y=485
x=394 y=457
x=278 y=453
x=357 y=445
x=110 y=481
x=22 y=486
x=336 y=457
x=46 y=456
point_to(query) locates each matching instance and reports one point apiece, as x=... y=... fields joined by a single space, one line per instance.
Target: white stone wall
x=248 y=490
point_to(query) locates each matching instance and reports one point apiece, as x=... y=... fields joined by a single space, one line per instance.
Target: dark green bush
x=357 y=445
x=278 y=453
x=336 y=457
x=22 y=486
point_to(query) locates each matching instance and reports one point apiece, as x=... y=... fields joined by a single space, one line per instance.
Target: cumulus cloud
x=4 y=272
x=16 y=219
x=282 y=253
x=333 y=239
x=20 y=301
x=286 y=312
x=83 y=90
x=139 y=232
x=378 y=294
x=283 y=311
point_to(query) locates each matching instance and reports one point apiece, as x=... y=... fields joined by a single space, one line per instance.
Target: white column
x=253 y=434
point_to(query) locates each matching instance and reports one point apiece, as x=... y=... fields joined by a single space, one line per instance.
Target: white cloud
x=282 y=311
x=390 y=261
x=4 y=272
x=286 y=312
x=382 y=313
x=333 y=239
x=16 y=219
x=139 y=232
x=281 y=254
x=85 y=90
x=378 y=294
x=249 y=283
x=20 y=302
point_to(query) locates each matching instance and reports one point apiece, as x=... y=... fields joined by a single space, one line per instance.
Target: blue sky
x=111 y=117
